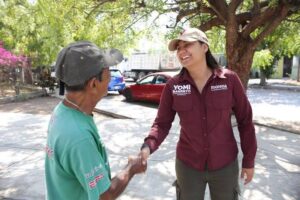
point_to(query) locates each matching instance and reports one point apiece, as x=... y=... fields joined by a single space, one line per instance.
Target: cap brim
x=173 y=43
x=112 y=57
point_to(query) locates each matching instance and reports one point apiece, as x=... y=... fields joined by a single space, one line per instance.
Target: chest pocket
x=220 y=100
x=182 y=103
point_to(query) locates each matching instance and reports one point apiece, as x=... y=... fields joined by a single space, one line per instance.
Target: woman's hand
x=144 y=153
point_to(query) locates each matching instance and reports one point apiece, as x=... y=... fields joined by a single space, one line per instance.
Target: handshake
x=138 y=164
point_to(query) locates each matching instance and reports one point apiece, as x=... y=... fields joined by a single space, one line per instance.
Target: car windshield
x=115 y=73
x=160 y=79
x=147 y=80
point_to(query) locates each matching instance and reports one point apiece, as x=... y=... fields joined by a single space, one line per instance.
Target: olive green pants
x=191 y=183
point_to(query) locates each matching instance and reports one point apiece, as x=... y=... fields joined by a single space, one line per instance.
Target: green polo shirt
x=76 y=164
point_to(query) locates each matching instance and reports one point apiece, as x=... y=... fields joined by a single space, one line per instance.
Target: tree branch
x=184 y=13
x=211 y=23
x=257 y=6
x=297 y=20
x=199 y=9
x=243 y=18
x=189 y=18
x=259 y=20
x=281 y=15
x=183 y=2
x=220 y=8
x=234 y=4
x=99 y=4
x=135 y=21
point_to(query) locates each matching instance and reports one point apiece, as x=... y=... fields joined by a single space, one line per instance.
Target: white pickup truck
x=141 y=64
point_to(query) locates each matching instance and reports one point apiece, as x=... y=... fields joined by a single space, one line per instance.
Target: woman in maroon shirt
x=204 y=95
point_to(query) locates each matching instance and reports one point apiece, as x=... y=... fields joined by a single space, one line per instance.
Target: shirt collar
x=184 y=75
x=219 y=72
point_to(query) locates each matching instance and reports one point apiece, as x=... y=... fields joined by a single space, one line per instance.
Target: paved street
x=23 y=133
x=276 y=107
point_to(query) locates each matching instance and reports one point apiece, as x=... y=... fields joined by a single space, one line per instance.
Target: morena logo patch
x=218 y=87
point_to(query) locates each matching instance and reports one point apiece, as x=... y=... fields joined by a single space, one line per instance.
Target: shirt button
x=204 y=118
x=205 y=134
x=205 y=148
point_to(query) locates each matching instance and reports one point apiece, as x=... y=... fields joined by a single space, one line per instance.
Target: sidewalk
x=277 y=84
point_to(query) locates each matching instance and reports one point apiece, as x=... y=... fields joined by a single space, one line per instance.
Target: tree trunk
x=240 y=57
x=28 y=75
x=263 y=81
x=240 y=46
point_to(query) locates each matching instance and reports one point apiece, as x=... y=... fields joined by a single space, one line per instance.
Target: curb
x=103 y=112
x=281 y=127
x=277 y=125
x=111 y=114
x=23 y=97
x=276 y=87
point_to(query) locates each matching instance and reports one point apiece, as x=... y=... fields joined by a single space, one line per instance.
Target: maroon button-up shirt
x=206 y=135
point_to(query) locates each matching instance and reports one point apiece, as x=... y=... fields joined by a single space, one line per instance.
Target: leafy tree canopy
x=284 y=41
x=41 y=28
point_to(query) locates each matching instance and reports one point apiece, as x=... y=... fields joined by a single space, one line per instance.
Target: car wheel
x=128 y=95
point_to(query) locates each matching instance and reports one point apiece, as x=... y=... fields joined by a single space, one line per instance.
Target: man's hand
x=247 y=174
x=136 y=165
x=120 y=181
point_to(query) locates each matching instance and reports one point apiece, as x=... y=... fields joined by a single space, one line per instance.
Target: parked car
x=148 y=88
x=117 y=82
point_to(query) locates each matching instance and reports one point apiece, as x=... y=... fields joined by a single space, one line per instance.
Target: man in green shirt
x=76 y=163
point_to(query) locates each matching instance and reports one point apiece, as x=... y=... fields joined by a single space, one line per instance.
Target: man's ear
x=92 y=83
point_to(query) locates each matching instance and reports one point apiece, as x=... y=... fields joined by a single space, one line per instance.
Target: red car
x=148 y=88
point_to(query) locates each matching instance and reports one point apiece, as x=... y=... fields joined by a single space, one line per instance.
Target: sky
x=32 y=1
x=158 y=42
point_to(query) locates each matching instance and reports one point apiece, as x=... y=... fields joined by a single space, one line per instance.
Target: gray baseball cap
x=80 y=61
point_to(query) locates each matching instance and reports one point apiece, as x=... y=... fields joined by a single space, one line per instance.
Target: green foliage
x=41 y=29
x=284 y=41
x=216 y=40
x=268 y=71
x=262 y=59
